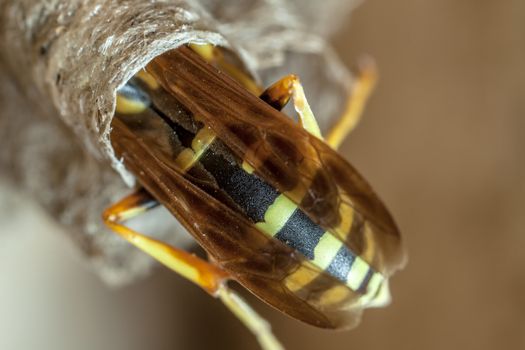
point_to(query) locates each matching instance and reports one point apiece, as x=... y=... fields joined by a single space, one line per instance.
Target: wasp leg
x=209 y=277
x=278 y=95
x=189 y=266
x=363 y=87
x=249 y=317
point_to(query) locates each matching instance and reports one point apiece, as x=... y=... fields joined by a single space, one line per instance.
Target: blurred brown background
x=442 y=141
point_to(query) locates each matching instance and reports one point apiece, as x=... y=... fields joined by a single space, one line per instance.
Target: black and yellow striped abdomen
x=277 y=216
x=270 y=211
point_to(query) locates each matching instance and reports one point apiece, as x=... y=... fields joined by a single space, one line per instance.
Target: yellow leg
x=204 y=274
x=363 y=87
x=279 y=94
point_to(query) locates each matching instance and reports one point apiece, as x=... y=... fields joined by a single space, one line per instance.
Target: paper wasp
x=275 y=207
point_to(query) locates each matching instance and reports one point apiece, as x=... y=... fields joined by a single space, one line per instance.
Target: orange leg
x=209 y=277
x=278 y=95
x=200 y=272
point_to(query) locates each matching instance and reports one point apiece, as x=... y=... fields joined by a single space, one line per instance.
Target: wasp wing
x=270 y=269
x=326 y=187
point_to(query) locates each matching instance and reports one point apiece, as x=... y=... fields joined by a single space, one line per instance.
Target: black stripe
x=341 y=264
x=249 y=191
x=301 y=233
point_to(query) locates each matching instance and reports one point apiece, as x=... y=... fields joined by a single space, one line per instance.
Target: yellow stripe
x=247 y=167
x=127 y=106
x=277 y=215
x=185 y=159
x=326 y=250
x=357 y=273
x=200 y=143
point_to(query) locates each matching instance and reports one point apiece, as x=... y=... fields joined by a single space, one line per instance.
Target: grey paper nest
x=61 y=62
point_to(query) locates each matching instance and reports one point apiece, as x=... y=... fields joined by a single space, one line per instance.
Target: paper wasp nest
x=61 y=62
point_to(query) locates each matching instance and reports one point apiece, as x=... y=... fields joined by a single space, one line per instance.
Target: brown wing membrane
x=321 y=182
x=265 y=266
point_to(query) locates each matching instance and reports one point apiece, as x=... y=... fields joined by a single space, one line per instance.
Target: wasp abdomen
x=272 y=212
x=276 y=215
